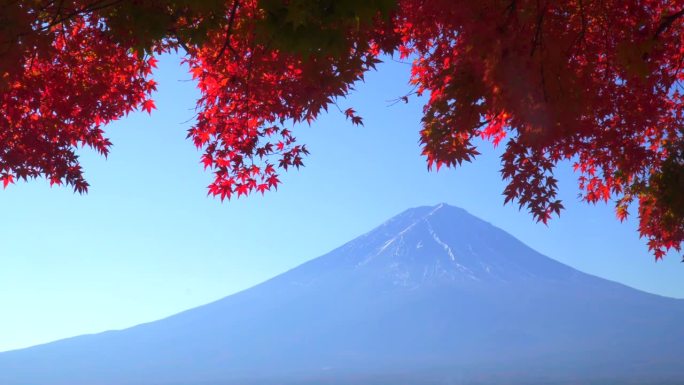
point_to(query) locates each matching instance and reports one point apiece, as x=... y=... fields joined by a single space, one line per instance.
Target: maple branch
x=403 y=98
x=58 y=12
x=583 y=19
x=539 y=42
x=334 y=103
x=488 y=121
x=667 y=22
x=96 y=6
x=226 y=43
x=511 y=7
x=583 y=30
x=182 y=43
x=538 y=30
x=400 y=61
x=58 y=19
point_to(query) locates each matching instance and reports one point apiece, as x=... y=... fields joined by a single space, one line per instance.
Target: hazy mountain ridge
x=433 y=294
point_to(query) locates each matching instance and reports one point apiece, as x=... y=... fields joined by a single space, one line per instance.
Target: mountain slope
x=433 y=295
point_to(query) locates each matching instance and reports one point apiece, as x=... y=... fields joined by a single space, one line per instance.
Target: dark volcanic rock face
x=432 y=296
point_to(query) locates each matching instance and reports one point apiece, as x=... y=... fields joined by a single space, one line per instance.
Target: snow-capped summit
x=432 y=296
x=433 y=244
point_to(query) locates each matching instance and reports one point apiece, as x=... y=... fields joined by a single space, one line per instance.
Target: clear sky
x=146 y=242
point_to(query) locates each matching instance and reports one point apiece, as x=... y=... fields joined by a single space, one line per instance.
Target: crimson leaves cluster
x=595 y=83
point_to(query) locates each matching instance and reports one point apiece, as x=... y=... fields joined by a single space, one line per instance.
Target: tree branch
x=229 y=30
x=666 y=22
x=96 y=6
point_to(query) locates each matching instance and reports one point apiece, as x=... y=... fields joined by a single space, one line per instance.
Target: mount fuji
x=432 y=296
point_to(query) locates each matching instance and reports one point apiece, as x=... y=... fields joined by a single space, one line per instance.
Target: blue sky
x=146 y=242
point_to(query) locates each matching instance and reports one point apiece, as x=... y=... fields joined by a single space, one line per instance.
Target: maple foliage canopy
x=596 y=83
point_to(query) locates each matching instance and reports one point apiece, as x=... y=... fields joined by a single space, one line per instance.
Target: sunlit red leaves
x=6 y=179
x=148 y=105
x=594 y=83
x=249 y=94
x=60 y=100
x=591 y=82
x=657 y=225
